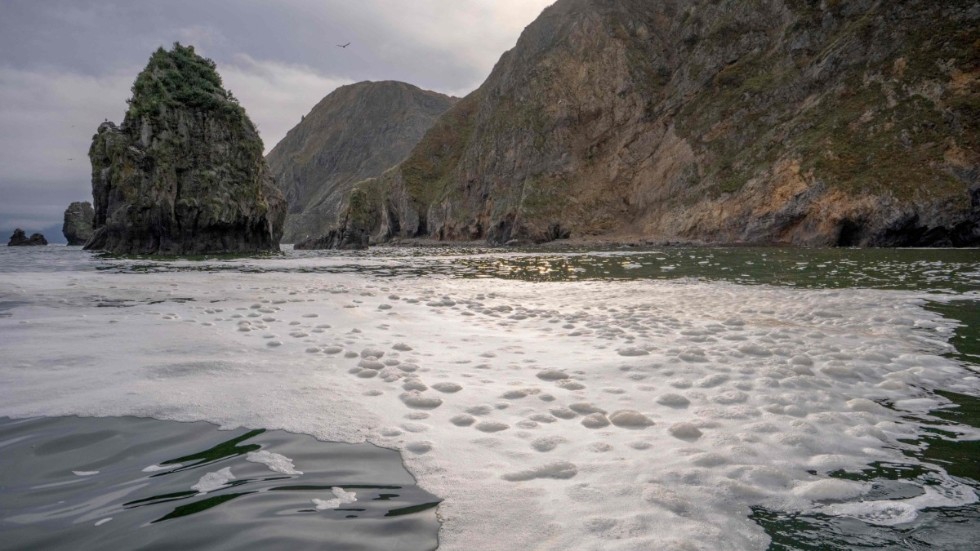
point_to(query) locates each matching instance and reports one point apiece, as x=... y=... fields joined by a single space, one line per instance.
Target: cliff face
x=184 y=173
x=77 y=226
x=778 y=121
x=353 y=134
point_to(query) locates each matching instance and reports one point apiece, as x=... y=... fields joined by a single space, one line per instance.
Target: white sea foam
x=276 y=462
x=213 y=481
x=158 y=468
x=341 y=497
x=537 y=436
x=891 y=512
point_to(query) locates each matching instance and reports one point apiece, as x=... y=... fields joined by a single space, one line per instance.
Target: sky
x=67 y=65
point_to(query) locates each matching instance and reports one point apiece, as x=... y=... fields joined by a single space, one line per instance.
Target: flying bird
x=343 y=45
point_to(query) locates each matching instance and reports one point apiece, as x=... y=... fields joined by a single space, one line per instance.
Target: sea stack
x=78 y=223
x=20 y=239
x=184 y=173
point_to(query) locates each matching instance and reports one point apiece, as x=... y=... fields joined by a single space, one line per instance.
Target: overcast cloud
x=66 y=65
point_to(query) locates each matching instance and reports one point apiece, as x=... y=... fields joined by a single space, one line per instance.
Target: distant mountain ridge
x=354 y=133
x=791 y=121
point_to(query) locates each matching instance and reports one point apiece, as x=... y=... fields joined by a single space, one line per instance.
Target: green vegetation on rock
x=356 y=132
x=184 y=173
x=180 y=78
x=798 y=122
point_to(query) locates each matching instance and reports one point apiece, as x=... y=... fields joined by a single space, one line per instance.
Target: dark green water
x=943 y=528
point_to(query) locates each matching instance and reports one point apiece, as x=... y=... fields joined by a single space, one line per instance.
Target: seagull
x=343 y=45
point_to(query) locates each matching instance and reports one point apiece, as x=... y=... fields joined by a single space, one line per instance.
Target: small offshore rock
x=20 y=239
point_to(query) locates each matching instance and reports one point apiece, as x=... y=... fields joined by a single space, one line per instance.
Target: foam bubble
x=831 y=489
x=585 y=408
x=462 y=420
x=276 y=462
x=420 y=447
x=341 y=497
x=673 y=400
x=158 y=468
x=558 y=470
x=564 y=413
x=213 y=481
x=370 y=363
x=595 y=421
x=415 y=399
x=684 y=431
x=630 y=419
x=547 y=443
x=491 y=426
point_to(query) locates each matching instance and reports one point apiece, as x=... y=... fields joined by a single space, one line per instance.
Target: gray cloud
x=69 y=64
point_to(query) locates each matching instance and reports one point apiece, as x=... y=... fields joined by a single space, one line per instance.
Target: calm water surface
x=129 y=483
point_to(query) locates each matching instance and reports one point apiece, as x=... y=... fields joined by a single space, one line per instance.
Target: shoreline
x=624 y=242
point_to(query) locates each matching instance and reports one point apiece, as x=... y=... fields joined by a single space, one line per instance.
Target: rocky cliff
x=781 y=121
x=356 y=132
x=77 y=226
x=184 y=173
x=20 y=239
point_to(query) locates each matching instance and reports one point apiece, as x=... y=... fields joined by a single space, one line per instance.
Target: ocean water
x=131 y=483
x=666 y=398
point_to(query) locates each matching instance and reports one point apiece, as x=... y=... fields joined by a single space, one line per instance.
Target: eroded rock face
x=355 y=133
x=793 y=122
x=20 y=239
x=184 y=173
x=78 y=223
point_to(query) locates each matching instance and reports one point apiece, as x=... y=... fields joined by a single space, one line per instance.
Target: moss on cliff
x=428 y=171
x=181 y=78
x=721 y=120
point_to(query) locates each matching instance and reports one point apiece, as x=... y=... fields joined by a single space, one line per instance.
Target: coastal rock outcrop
x=184 y=173
x=785 y=122
x=77 y=226
x=354 y=133
x=20 y=239
x=335 y=239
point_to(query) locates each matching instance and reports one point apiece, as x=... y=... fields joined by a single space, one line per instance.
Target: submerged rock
x=184 y=173
x=20 y=239
x=78 y=223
